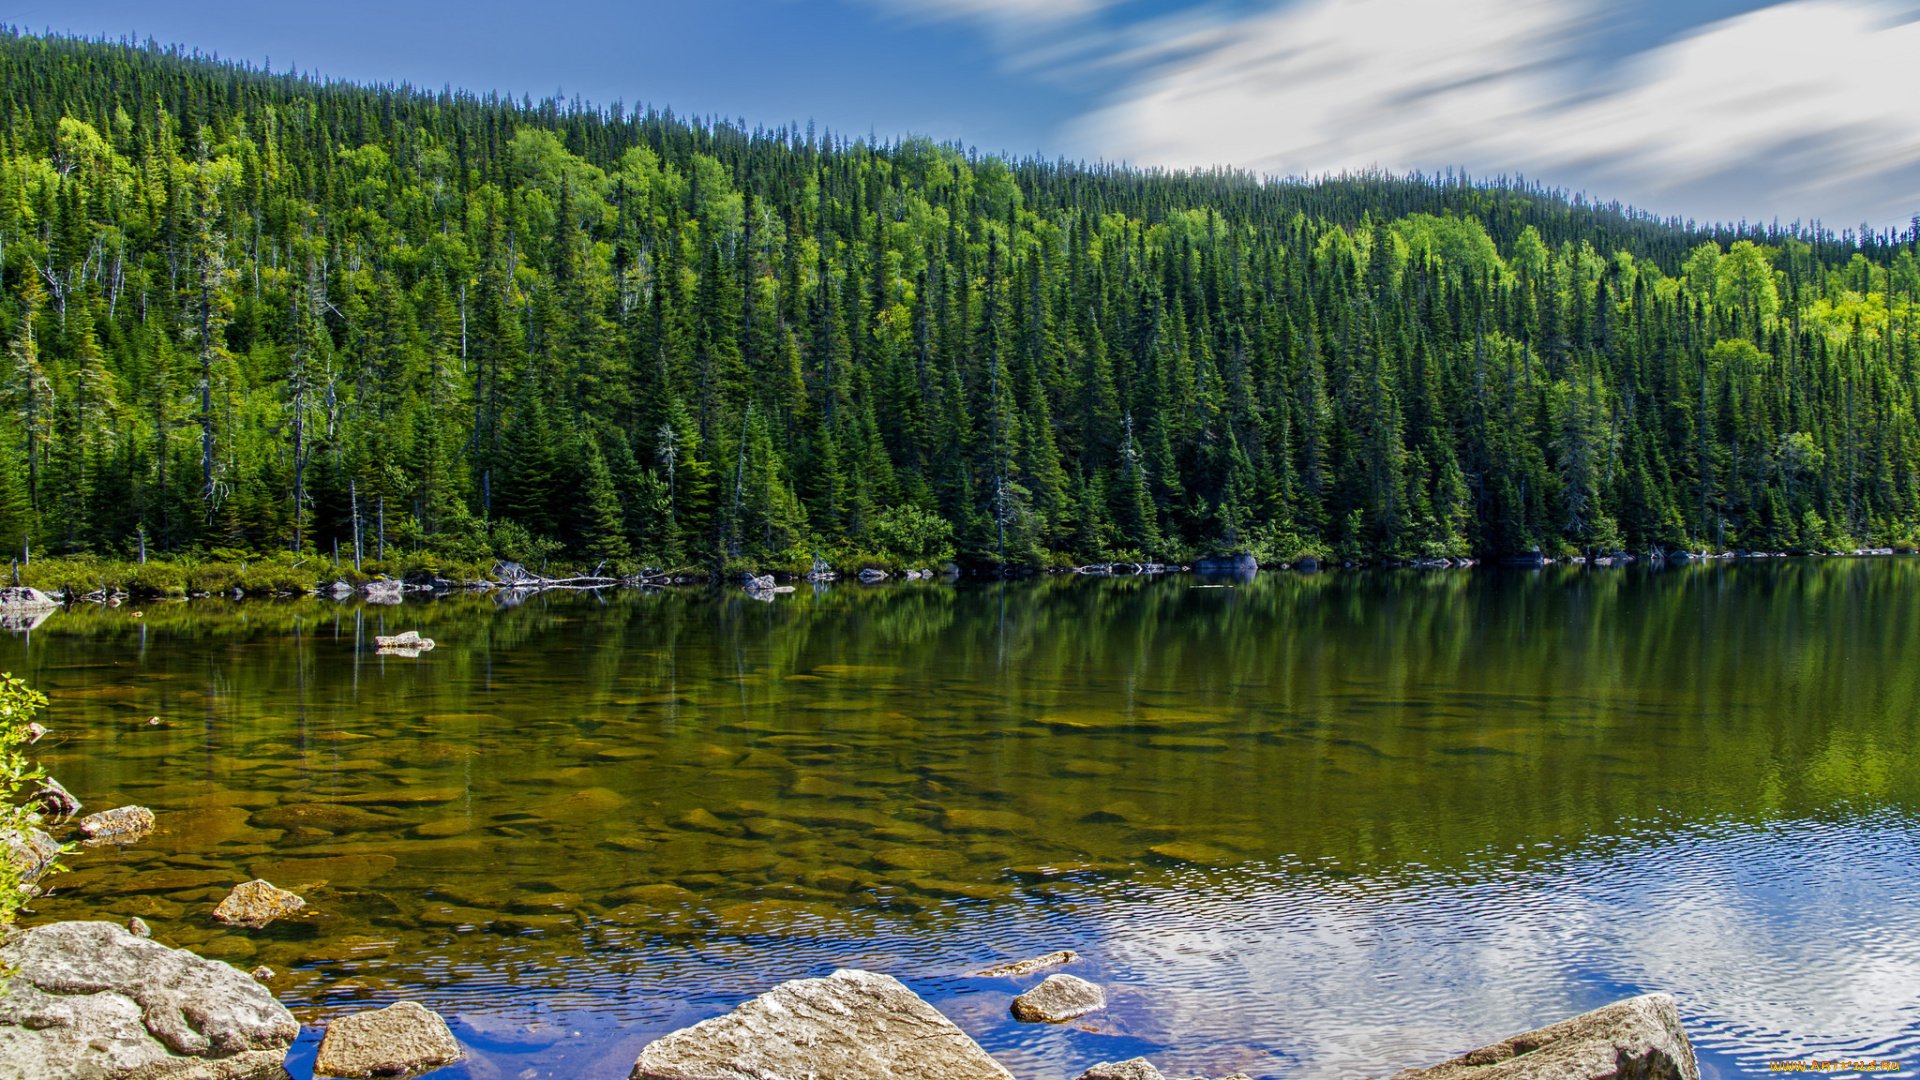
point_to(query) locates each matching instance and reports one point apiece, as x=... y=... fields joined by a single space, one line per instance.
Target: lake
x=1309 y=825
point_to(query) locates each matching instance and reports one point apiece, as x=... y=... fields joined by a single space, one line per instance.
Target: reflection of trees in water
x=1365 y=716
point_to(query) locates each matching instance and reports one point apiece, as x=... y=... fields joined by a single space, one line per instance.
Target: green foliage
x=218 y=572
x=249 y=319
x=18 y=703
x=913 y=535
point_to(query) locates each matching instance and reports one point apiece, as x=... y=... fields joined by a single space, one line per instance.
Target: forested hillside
x=240 y=307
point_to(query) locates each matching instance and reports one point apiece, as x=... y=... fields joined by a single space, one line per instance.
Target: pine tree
x=603 y=521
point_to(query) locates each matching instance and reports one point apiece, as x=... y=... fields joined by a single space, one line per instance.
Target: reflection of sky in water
x=1794 y=939
x=1438 y=809
x=1791 y=940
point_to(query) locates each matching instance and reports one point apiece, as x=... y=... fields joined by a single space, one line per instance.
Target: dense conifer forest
x=248 y=312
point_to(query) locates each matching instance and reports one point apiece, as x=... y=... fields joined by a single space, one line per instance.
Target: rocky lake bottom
x=1309 y=825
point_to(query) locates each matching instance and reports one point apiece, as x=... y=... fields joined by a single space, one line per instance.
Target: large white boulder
x=90 y=1001
x=1636 y=1039
x=852 y=1025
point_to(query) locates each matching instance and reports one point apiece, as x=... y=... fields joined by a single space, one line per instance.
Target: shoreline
x=384 y=589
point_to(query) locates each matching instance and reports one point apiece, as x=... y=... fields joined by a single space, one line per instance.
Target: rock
x=34 y=853
x=407 y=644
x=88 y=999
x=175 y=881
x=332 y=817
x=145 y=906
x=1226 y=564
x=55 y=801
x=402 y=1038
x=20 y=596
x=341 y=590
x=138 y=927
x=332 y=870
x=1140 y=1069
x=120 y=825
x=1639 y=1038
x=1133 y=1069
x=255 y=903
x=35 y=732
x=852 y=1025
x=872 y=574
x=408 y=651
x=383 y=591
x=1058 y=998
x=961 y=819
x=759 y=584
x=587 y=804
x=262 y=974
x=1018 y=968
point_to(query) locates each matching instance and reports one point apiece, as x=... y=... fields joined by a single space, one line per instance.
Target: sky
x=1715 y=110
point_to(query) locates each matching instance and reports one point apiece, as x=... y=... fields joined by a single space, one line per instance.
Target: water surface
x=1310 y=825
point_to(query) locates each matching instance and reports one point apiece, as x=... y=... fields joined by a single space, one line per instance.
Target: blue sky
x=1713 y=109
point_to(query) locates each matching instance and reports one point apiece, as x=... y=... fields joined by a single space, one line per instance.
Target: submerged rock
x=255 y=903
x=852 y=1025
x=330 y=817
x=1636 y=1039
x=1025 y=967
x=405 y=1037
x=1059 y=998
x=88 y=999
x=120 y=825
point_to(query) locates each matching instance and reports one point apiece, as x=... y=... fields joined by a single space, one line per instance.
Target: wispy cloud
x=1799 y=110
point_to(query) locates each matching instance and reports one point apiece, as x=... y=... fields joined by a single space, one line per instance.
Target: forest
x=265 y=314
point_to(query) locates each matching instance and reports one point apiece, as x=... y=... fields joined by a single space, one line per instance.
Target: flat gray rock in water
x=405 y=1037
x=853 y=1025
x=1058 y=998
x=1636 y=1039
x=89 y=1001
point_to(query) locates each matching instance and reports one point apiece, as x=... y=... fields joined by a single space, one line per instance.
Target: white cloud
x=1806 y=109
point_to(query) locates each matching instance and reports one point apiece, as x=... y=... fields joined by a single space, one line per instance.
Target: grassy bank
x=184 y=575
x=285 y=574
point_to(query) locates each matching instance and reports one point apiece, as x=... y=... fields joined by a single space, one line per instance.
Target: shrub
x=18 y=703
x=913 y=534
